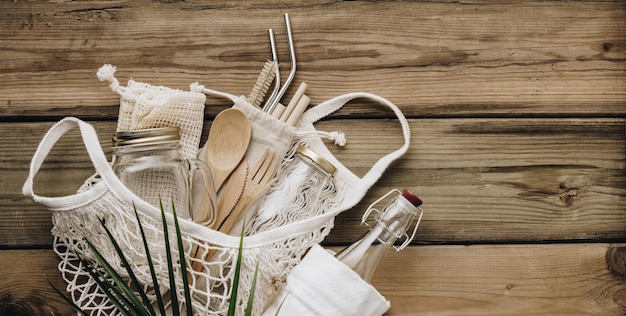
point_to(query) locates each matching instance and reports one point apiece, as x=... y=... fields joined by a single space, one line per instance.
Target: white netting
x=211 y=285
x=146 y=106
x=276 y=250
x=300 y=191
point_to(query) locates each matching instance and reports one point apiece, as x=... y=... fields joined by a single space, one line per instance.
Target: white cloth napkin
x=323 y=285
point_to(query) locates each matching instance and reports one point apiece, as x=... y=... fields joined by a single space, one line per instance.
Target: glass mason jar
x=303 y=189
x=148 y=162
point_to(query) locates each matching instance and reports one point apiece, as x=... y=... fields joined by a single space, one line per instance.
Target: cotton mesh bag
x=275 y=251
x=143 y=106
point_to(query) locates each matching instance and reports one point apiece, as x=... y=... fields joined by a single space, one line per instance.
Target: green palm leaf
x=233 y=294
x=135 y=282
x=66 y=299
x=183 y=261
x=134 y=301
x=252 y=290
x=155 y=279
x=170 y=270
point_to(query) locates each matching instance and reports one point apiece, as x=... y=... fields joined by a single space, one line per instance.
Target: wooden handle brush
x=257 y=94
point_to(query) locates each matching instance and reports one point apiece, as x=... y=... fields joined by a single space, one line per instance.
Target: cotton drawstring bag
x=276 y=251
x=143 y=106
x=146 y=106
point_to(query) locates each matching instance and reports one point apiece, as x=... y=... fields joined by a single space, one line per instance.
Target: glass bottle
x=149 y=164
x=391 y=224
x=303 y=189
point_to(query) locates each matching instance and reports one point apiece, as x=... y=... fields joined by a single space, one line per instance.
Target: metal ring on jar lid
x=314 y=157
x=146 y=136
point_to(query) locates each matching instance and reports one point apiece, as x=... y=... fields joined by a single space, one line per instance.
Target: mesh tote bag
x=276 y=251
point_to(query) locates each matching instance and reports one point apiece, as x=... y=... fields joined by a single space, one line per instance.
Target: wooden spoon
x=228 y=142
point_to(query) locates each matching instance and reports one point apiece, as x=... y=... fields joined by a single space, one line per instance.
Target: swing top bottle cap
x=411 y=197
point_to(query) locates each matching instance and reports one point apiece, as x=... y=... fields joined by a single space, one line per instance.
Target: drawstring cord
x=338 y=137
x=107 y=73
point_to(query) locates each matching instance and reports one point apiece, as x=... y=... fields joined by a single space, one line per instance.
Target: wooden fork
x=256 y=182
x=258 y=179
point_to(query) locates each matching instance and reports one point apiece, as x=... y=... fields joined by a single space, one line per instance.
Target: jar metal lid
x=314 y=157
x=146 y=136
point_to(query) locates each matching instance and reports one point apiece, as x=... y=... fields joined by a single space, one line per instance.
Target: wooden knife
x=231 y=194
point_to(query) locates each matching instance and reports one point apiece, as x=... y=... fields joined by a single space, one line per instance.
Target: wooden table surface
x=516 y=112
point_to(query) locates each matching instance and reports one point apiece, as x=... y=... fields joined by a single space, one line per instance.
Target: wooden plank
x=482 y=180
x=493 y=180
x=558 y=279
x=431 y=58
x=24 y=290
x=22 y=222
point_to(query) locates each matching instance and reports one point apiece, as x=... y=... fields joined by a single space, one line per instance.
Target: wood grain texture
x=581 y=279
x=516 y=108
x=493 y=180
x=432 y=58
x=505 y=280
x=482 y=180
x=24 y=290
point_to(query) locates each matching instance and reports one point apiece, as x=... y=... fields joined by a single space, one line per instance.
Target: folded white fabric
x=322 y=285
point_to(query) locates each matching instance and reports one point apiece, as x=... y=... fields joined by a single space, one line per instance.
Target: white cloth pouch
x=324 y=286
x=283 y=139
x=276 y=251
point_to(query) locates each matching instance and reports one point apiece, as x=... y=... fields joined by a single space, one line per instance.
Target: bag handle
x=92 y=144
x=109 y=183
x=328 y=107
x=224 y=95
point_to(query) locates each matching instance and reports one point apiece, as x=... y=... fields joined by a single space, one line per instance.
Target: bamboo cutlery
x=226 y=146
x=230 y=136
x=225 y=157
x=256 y=181
x=235 y=183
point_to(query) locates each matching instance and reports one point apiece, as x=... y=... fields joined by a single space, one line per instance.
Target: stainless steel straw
x=272 y=102
x=277 y=71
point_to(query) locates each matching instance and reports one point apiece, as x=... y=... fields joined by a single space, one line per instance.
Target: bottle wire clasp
x=378 y=214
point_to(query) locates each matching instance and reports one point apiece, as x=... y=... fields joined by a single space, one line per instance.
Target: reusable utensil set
x=230 y=135
x=227 y=144
x=289 y=114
